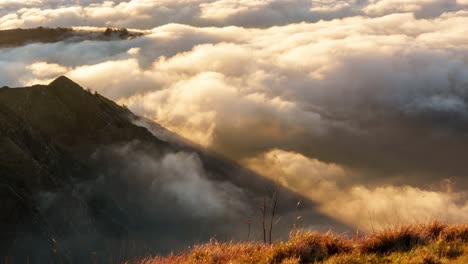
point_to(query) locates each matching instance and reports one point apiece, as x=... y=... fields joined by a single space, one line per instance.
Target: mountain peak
x=64 y=81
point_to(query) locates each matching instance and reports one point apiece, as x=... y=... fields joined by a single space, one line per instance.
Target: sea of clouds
x=362 y=106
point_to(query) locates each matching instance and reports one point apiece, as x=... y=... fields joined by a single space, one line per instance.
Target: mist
x=367 y=120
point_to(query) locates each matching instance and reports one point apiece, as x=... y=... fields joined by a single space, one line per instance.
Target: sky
x=361 y=106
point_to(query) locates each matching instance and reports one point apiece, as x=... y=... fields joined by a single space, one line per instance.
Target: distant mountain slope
x=78 y=176
x=19 y=37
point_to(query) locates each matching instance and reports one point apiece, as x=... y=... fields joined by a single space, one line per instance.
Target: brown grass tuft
x=432 y=243
x=455 y=232
x=392 y=240
x=310 y=246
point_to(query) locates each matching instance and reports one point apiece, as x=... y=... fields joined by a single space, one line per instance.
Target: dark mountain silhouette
x=19 y=37
x=80 y=181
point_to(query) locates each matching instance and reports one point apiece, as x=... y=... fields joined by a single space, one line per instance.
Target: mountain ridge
x=11 y=38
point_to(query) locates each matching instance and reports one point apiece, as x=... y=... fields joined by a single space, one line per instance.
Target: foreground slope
x=418 y=244
x=78 y=179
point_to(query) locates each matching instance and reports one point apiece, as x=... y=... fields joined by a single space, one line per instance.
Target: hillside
x=419 y=244
x=80 y=180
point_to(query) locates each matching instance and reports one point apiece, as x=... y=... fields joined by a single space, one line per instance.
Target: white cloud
x=252 y=13
x=179 y=177
x=292 y=77
x=47 y=70
x=222 y=9
x=368 y=96
x=367 y=208
x=381 y=7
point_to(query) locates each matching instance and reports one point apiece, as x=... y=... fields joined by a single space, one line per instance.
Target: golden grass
x=433 y=243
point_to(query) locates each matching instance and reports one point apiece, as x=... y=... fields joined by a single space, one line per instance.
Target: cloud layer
x=372 y=101
x=147 y=14
x=368 y=208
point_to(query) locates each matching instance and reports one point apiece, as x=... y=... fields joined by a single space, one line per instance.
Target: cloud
x=247 y=13
x=302 y=81
x=365 y=207
x=223 y=9
x=47 y=70
x=181 y=178
x=145 y=194
x=375 y=102
x=424 y=8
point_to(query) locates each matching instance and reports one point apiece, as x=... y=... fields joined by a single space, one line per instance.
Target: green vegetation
x=425 y=244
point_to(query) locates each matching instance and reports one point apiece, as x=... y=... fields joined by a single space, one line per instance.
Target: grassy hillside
x=430 y=243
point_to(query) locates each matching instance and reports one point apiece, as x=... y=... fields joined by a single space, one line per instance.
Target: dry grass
x=219 y=253
x=309 y=247
x=425 y=244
